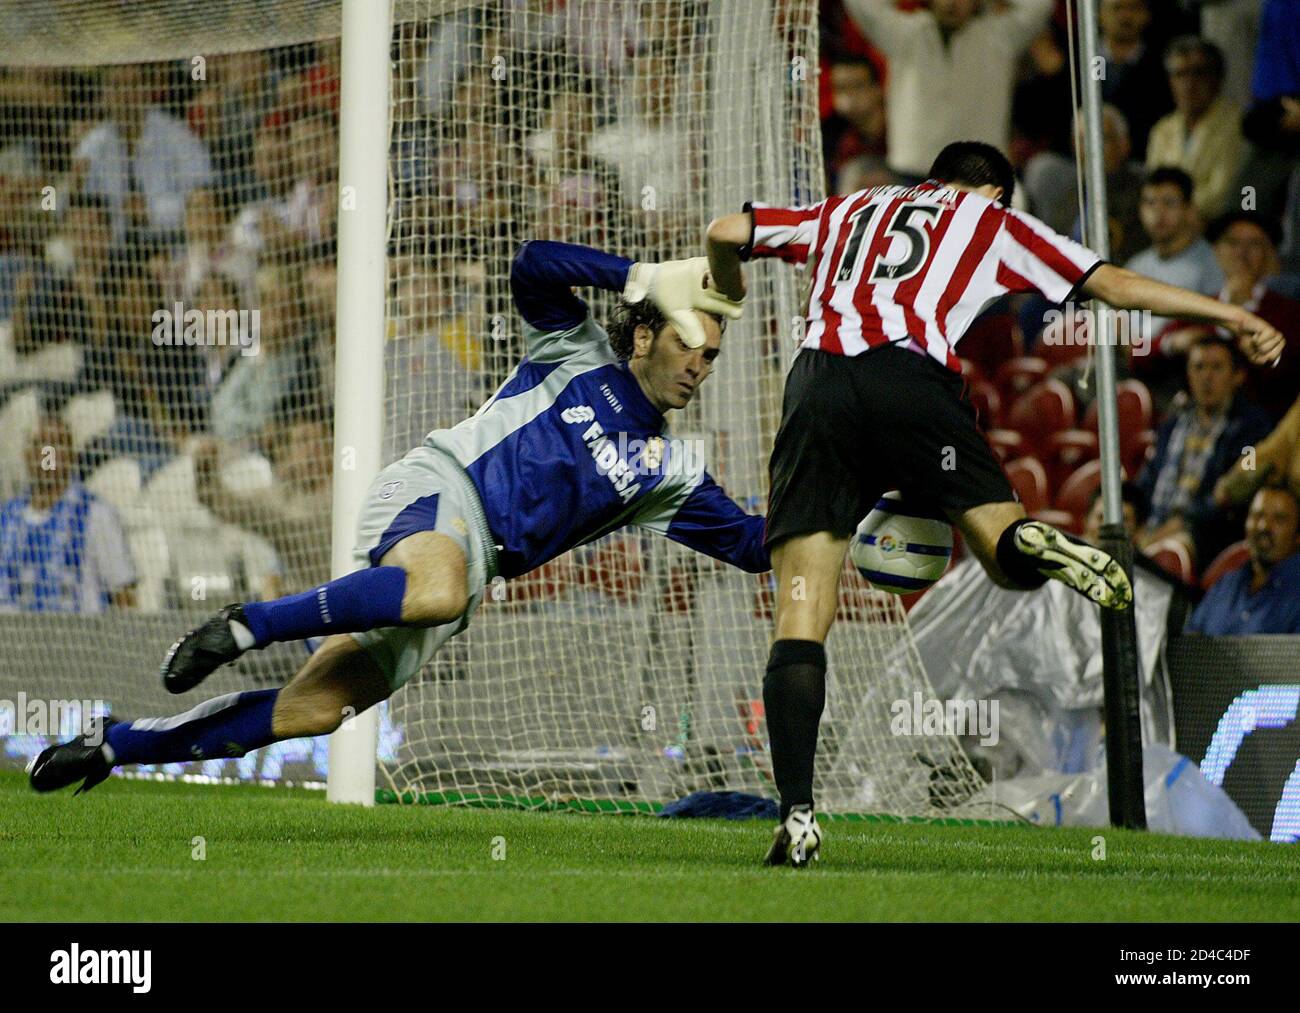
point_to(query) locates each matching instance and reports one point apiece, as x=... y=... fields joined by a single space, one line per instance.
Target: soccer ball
x=900 y=547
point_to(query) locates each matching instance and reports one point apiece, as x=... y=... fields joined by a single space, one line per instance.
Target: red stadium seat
x=1075 y=494
x=1060 y=353
x=1173 y=556
x=1066 y=451
x=1059 y=519
x=1015 y=376
x=991 y=340
x=1029 y=478
x=1134 y=401
x=1044 y=409
x=1226 y=561
x=988 y=403
x=1006 y=443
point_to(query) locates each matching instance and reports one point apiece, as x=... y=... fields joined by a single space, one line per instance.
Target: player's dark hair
x=627 y=317
x=1170 y=175
x=974 y=163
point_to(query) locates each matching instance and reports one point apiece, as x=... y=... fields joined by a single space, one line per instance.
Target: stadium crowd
x=128 y=189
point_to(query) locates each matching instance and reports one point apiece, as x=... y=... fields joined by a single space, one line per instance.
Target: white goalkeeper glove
x=678 y=288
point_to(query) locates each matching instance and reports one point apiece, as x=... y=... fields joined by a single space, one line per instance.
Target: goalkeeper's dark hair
x=974 y=163
x=627 y=317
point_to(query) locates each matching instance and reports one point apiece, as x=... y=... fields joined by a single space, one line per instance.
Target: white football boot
x=1076 y=564
x=797 y=841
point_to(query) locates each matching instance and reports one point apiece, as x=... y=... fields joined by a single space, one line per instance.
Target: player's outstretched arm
x=725 y=239
x=1260 y=341
x=544 y=273
x=703 y=517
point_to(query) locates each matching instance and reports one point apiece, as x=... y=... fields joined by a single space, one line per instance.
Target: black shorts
x=854 y=427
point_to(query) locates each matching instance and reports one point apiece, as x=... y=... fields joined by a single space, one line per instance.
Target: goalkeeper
x=542 y=467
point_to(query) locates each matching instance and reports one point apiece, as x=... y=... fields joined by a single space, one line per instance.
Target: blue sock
x=364 y=600
x=225 y=726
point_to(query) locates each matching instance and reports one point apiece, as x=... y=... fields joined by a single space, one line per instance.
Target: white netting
x=166 y=338
x=626 y=672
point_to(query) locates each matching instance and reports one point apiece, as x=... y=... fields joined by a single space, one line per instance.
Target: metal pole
x=1118 y=629
x=359 y=343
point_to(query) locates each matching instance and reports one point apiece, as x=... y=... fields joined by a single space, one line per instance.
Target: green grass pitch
x=126 y=852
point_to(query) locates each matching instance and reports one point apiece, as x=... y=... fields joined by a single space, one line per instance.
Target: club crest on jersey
x=653 y=454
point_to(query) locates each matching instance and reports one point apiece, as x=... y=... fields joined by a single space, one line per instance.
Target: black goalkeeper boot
x=202 y=651
x=81 y=759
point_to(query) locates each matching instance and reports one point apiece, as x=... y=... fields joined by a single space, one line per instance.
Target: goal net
x=192 y=160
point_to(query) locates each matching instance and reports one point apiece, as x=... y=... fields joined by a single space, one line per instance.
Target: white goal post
x=359 y=362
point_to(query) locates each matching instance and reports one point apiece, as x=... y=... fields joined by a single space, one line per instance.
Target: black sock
x=1018 y=567
x=794 y=695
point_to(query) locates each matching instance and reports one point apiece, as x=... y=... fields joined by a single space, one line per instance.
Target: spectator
x=1203 y=133
x=1052 y=188
x=308 y=87
x=1245 y=244
x=1178 y=254
x=63 y=299
x=658 y=167
x=1233 y=26
x=294 y=514
x=312 y=202
x=263 y=228
x=155 y=387
x=140 y=159
x=20 y=175
x=1276 y=461
x=577 y=194
x=1277 y=69
x=1263 y=596
x=951 y=72
x=1043 y=91
x=207 y=249
x=1195 y=446
x=215 y=295
x=1272 y=125
x=1135 y=81
x=477 y=187
x=855 y=132
x=433 y=374
x=280 y=377
x=61 y=548
x=225 y=114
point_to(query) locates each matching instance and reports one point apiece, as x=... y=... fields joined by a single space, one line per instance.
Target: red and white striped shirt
x=913 y=265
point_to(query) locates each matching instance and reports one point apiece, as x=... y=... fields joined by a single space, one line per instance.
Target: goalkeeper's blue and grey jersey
x=570 y=448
